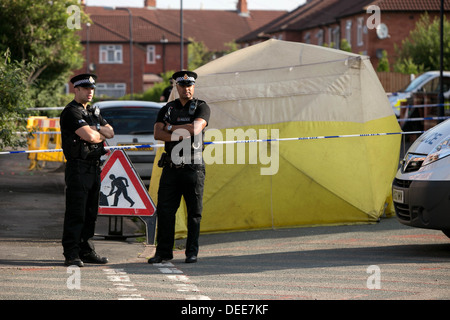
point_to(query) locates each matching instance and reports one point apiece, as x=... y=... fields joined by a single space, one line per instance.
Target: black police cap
x=185 y=77
x=84 y=80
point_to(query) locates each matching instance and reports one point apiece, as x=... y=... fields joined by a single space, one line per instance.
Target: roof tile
x=213 y=27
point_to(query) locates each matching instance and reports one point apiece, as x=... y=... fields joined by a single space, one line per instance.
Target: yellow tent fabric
x=291 y=90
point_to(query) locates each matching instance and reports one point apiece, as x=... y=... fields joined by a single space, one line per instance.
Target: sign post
x=123 y=194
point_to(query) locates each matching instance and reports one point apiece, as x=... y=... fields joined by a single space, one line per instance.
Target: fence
x=393 y=81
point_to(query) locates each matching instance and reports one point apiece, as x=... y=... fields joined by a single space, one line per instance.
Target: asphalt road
x=382 y=261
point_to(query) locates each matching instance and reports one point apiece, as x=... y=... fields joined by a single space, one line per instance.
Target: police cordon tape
x=421 y=119
x=231 y=142
x=424 y=105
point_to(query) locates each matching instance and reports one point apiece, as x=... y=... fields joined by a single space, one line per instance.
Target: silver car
x=427 y=82
x=421 y=188
x=133 y=123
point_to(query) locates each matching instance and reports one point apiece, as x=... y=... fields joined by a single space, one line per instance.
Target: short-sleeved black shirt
x=73 y=117
x=177 y=114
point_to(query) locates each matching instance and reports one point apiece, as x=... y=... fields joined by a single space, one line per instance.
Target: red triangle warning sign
x=122 y=192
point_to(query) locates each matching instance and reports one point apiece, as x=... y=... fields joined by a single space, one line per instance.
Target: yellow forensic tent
x=280 y=90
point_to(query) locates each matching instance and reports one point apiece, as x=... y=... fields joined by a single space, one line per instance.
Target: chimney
x=242 y=8
x=150 y=4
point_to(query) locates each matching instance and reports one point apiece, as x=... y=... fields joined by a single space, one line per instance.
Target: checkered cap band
x=185 y=78
x=77 y=83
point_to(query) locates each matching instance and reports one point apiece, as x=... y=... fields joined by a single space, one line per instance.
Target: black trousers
x=82 y=195
x=188 y=182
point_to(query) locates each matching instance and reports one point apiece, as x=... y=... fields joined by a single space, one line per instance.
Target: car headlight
x=412 y=162
x=442 y=150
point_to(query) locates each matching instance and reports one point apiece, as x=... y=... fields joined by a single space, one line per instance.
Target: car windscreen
x=417 y=82
x=131 y=120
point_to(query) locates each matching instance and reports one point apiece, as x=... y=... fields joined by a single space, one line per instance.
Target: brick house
x=327 y=22
x=156 y=41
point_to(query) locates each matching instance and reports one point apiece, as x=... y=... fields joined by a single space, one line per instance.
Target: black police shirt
x=73 y=117
x=177 y=114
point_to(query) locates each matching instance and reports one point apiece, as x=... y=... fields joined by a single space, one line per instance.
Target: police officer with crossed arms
x=83 y=131
x=180 y=124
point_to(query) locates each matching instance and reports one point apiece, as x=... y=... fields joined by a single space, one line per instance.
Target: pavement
x=380 y=261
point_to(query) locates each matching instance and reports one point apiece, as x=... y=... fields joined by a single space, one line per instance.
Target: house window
x=307 y=38
x=151 y=54
x=336 y=37
x=319 y=36
x=111 y=54
x=330 y=37
x=360 y=32
x=348 y=32
x=113 y=90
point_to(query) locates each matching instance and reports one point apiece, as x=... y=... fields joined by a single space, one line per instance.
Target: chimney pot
x=242 y=8
x=150 y=3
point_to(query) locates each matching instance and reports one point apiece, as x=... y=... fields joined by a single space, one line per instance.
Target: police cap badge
x=185 y=77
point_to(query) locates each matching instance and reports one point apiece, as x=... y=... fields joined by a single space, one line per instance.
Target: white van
x=133 y=123
x=421 y=188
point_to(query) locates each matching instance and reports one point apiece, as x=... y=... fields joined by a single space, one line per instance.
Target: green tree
x=383 y=65
x=44 y=32
x=154 y=93
x=198 y=54
x=15 y=98
x=421 y=50
x=232 y=46
x=345 y=46
x=407 y=66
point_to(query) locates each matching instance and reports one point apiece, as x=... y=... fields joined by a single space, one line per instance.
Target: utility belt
x=92 y=163
x=180 y=161
x=79 y=149
x=89 y=150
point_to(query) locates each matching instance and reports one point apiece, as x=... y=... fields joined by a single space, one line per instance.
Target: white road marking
x=181 y=282
x=122 y=284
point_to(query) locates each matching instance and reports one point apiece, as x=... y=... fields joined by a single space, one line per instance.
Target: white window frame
x=151 y=54
x=111 y=54
x=330 y=36
x=114 y=90
x=348 y=32
x=307 y=38
x=360 y=32
x=320 y=37
x=335 y=39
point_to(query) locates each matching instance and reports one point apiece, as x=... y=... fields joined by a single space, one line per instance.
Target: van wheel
x=446 y=232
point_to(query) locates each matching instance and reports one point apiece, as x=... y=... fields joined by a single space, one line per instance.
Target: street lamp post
x=181 y=34
x=441 y=76
x=88 y=62
x=164 y=41
x=131 y=51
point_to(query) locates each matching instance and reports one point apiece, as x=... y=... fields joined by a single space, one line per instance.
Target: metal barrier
x=46 y=135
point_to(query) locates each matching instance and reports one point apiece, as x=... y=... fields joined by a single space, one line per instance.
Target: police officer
x=83 y=131
x=180 y=124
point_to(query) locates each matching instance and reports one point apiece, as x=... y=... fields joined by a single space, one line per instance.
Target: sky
x=287 y=5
